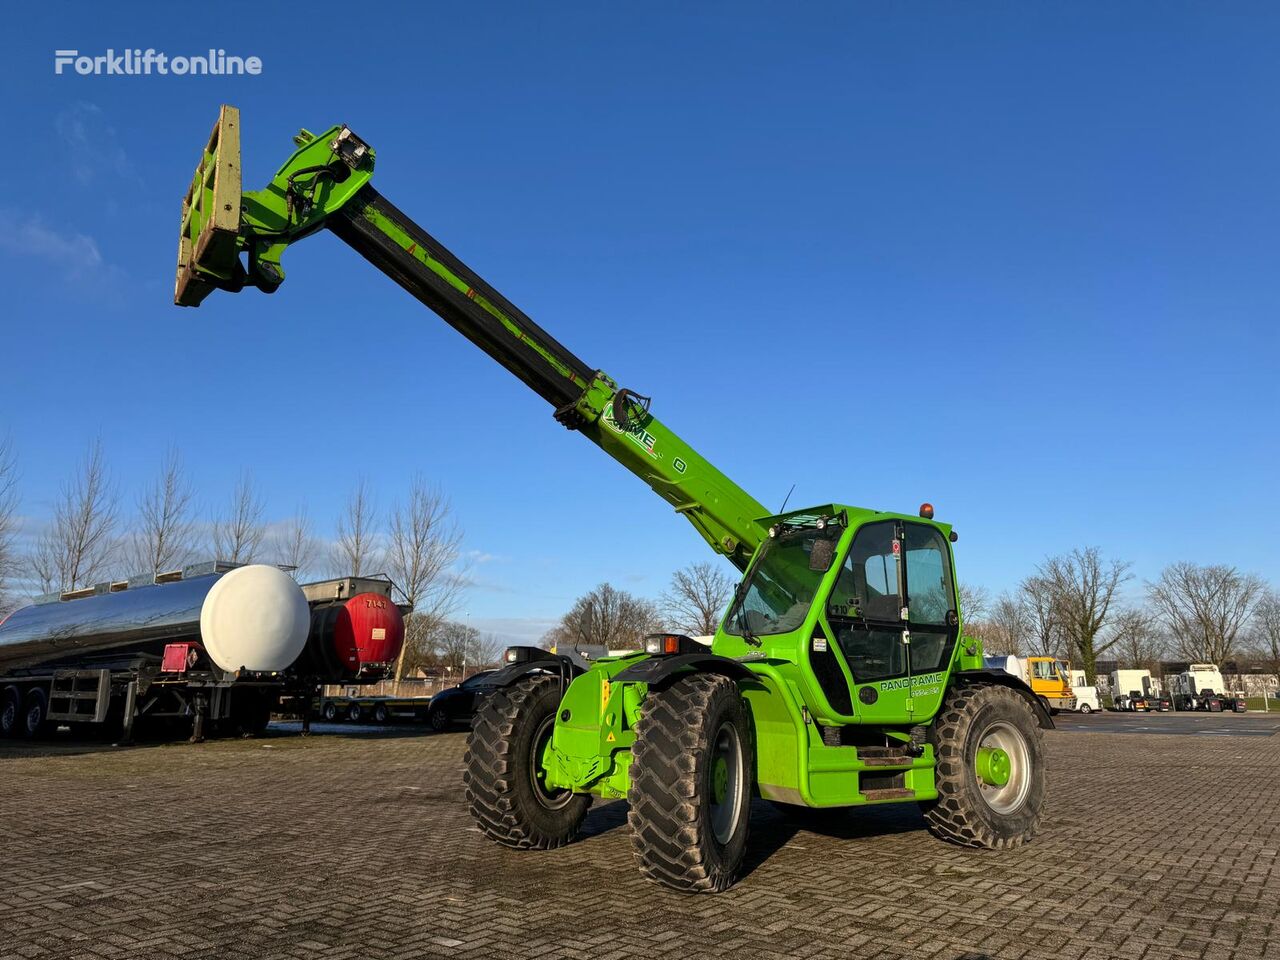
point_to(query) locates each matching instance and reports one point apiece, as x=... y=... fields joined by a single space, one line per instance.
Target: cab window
x=867 y=586
x=928 y=575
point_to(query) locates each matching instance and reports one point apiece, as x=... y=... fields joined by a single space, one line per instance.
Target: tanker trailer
x=356 y=631
x=209 y=642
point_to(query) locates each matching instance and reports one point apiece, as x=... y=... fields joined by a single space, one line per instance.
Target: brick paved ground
x=359 y=846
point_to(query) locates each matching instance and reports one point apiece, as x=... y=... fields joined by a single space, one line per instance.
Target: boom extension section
x=231 y=240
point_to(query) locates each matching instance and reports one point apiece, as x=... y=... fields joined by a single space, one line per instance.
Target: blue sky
x=1014 y=259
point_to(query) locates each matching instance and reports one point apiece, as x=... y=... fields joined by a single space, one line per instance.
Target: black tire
x=35 y=714
x=354 y=713
x=506 y=797
x=10 y=711
x=967 y=811
x=380 y=713
x=330 y=711
x=439 y=720
x=690 y=736
x=1086 y=709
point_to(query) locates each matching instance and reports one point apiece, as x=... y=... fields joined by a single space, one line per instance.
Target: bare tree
x=293 y=544
x=461 y=648
x=162 y=539
x=606 y=617
x=1043 y=623
x=423 y=546
x=1083 y=588
x=418 y=651
x=8 y=520
x=974 y=602
x=1265 y=631
x=1137 y=638
x=356 y=549
x=1205 y=608
x=79 y=546
x=1008 y=626
x=696 y=598
x=238 y=533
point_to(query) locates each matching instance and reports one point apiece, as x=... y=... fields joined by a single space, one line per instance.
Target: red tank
x=352 y=637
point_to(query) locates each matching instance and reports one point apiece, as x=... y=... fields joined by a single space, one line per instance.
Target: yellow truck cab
x=1048 y=677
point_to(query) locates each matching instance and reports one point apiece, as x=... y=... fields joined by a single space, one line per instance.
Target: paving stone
x=359 y=845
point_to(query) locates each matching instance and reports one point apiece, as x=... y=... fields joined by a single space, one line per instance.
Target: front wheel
x=438 y=719
x=1085 y=708
x=691 y=775
x=989 y=753
x=506 y=787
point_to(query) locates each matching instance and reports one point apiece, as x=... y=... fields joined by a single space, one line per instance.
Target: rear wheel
x=330 y=711
x=506 y=789
x=35 y=711
x=1085 y=708
x=10 y=711
x=691 y=784
x=990 y=769
x=354 y=713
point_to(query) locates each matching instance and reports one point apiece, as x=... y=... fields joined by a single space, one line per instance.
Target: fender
x=555 y=665
x=659 y=669
x=1013 y=683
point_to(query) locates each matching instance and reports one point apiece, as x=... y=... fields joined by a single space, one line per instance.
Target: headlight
x=665 y=644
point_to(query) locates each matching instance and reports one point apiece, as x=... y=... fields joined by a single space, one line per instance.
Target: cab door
x=891 y=613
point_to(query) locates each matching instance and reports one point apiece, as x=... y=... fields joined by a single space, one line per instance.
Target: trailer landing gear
x=197 y=725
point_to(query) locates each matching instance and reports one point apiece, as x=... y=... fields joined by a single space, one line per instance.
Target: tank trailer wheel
x=354 y=713
x=691 y=777
x=990 y=769
x=10 y=711
x=505 y=790
x=380 y=713
x=35 y=711
x=330 y=712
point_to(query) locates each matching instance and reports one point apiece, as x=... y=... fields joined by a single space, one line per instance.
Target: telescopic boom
x=231 y=240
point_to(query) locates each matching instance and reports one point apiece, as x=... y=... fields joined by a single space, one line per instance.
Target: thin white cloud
x=94 y=149
x=75 y=257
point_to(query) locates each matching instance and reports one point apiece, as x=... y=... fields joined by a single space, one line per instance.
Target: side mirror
x=821 y=555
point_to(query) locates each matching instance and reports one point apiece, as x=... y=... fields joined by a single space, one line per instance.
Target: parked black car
x=457 y=704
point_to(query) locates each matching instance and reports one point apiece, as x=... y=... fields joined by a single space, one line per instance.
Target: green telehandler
x=840 y=675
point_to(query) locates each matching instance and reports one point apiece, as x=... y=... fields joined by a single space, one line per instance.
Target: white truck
x=1201 y=687
x=1131 y=689
x=1087 y=699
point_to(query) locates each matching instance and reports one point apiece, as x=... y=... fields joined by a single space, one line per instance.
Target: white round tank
x=255 y=618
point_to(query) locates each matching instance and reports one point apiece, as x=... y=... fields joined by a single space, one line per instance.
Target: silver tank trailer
x=253 y=618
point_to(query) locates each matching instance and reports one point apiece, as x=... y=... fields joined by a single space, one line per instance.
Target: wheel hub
x=994 y=767
x=720 y=780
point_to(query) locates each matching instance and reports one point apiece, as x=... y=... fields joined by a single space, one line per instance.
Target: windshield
x=781 y=585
